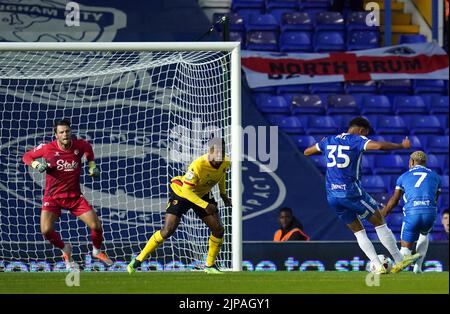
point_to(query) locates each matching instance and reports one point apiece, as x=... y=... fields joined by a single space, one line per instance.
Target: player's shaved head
x=359 y=122
x=419 y=158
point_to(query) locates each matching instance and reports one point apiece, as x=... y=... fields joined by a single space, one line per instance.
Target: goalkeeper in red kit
x=62 y=165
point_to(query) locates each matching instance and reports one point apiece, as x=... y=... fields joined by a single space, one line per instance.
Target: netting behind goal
x=147 y=115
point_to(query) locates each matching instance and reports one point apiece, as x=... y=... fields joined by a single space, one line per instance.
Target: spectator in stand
x=442 y=236
x=291 y=229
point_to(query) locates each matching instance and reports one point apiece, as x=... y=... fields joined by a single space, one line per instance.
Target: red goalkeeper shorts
x=76 y=206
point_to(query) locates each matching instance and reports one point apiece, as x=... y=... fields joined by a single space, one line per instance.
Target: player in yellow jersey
x=193 y=190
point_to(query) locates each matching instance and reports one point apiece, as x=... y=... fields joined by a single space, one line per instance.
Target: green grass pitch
x=329 y=282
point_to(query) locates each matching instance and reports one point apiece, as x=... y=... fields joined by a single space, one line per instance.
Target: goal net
x=148 y=113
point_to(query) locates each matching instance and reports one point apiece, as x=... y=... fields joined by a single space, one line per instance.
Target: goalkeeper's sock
x=422 y=248
x=155 y=241
x=97 y=238
x=54 y=238
x=213 y=250
x=387 y=238
x=367 y=247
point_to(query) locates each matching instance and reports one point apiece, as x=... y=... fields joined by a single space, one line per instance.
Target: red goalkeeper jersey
x=63 y=175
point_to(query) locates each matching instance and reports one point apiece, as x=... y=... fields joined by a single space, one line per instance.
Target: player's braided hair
x=65 y=122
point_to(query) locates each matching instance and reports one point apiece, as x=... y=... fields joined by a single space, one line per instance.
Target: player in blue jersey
x=420 y=188
x=345 y=195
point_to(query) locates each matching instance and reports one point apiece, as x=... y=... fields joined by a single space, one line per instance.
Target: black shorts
x=179 y=206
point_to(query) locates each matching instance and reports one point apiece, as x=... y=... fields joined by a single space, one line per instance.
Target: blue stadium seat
x=305 y=104
x=263 y=22
x=296 y=41
x=329 y=41
x=379 y=138
x=438 y=144
x=359 y=40
x=390 y=180
x=329 y=21
x=373 y=184
x=266 y=41
x=236 y=21
x=246 y=8
x=342 y=104
x=443 y=201
x=381 y=198
x=361 y=87
x=390 y=125
x=327 y=88
x=424 y=125
x=273 y=104
x=443 y=120
x=320 y=163
x=296 y=21
x=444 y=184
x=281 y=7
x=367 y=164
x=313 y=7
x=356 y=21
x=321 y=125
x=303 y=141
x=438 y=104
x=394 y=220
x=342 y=122
x=288 y=124
x=409 y=105
x=429 y=87
x=389 y=164
x=293 y=89
x=402 y=87
x=411 y=39
x=375 y=104
x=417 y=143
x=436 y=163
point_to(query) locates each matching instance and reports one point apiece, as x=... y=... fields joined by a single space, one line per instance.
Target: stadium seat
x=342 y=122
x=296 y=21
x=320 y=162
x=279 y=8
x=293 y=89
x=391 y=125
x=373 y=184
x=342 y=104
x=367 y=164
x=402 y=87
x=313 y=7
x=381 y=197
x=436 y=163
x=412 y=38
x=327 y=88
x=356 y=21
x=389 y=164
x=359 y=40
x=378 y=138
x=263 y=22
x=375 y=104
x=272 y=104
x=444 y=184
x=438 y=144
x=321 y=125
x=288 y=124
x=409 y=105
x=237 y=36
x=303 y=141
x=246 y=8
x=417 y=143
x=361 y=87
x=438 y=104
x=425 y=125
x=429 y=87
x=329 y=41
x=394 y=219
x=443 y=201
x=236 y=21
x=306 y=104
x=296 y=41
x=329 y=21
x=266 y=41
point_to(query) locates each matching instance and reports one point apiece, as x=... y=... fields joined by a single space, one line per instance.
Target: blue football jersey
x=343 y=154
x=420 y=186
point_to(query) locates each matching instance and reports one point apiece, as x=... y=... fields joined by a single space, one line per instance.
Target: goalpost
x=148 y=109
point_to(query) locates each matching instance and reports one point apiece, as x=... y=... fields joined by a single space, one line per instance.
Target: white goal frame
x=235 y=79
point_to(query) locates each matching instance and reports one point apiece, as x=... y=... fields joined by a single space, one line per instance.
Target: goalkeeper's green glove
x=40 y=166
x=93 y=170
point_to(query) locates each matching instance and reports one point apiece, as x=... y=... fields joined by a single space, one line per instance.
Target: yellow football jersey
x=200 y=179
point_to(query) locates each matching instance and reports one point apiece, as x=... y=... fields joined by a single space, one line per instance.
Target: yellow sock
x=213 y=250
x=155 y=241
